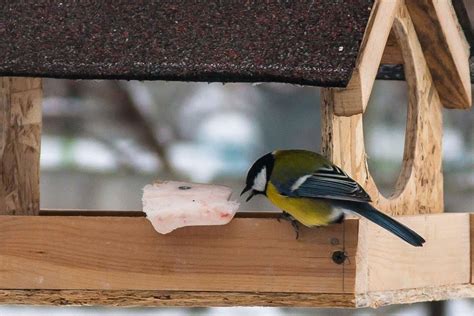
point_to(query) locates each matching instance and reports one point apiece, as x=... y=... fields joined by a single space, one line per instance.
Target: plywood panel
x=128 y=298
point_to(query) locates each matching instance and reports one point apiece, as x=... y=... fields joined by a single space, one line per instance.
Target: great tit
x=315 y=192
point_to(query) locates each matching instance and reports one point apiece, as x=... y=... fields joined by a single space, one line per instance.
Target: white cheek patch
x=260 y=180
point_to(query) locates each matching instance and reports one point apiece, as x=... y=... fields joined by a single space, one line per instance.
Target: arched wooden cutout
x=419 y=188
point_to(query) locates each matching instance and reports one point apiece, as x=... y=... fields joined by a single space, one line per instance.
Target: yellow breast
x=309 y=212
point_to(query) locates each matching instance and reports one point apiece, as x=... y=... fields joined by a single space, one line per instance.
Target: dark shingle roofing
x=305 y=42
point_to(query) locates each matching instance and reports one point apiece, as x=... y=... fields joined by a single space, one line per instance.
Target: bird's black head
x=258 y=175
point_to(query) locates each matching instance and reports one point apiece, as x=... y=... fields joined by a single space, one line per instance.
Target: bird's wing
x=328 y=182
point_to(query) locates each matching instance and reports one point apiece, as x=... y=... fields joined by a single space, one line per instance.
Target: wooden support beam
x=20 y=132
x=122 y=261
x=419 y=188
x=446 y=49
x=354 y=98
x=472 y=247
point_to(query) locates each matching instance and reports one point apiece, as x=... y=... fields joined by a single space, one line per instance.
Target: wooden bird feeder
x=111 y=258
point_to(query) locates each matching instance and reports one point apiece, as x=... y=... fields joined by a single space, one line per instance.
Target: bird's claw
x=296 y=227
x=294 y=223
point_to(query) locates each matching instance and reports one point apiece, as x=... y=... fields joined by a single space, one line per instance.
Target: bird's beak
x=250 y=195
x=244 y=190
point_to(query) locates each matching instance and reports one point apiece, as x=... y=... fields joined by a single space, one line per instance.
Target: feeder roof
x=304 y=42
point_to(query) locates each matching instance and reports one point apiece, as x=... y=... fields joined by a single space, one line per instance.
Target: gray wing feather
x=328 y=182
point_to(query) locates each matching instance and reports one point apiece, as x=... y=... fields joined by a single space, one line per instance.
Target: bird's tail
x=371 y=213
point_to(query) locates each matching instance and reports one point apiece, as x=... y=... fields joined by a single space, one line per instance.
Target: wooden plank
x=472 y=246
x=392 y=53
x=115 y=253
x=419 y=187
x=20 y=132
x=129 y=298
x=354 y=98
x=446 y=49
x=123 y=262
x=442 y=261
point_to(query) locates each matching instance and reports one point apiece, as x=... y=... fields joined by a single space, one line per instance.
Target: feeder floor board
x=122 y=261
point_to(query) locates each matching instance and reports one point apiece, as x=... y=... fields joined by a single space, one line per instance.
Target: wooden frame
x=251 y=261
x=444 y=46
x=92 y=259
x=419 y=188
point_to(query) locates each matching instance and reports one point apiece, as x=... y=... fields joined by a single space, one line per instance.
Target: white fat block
x=172 y=204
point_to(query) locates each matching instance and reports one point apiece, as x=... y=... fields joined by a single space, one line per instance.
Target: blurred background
x=103 y=141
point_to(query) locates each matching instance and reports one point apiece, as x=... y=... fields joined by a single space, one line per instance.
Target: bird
x=311 y=190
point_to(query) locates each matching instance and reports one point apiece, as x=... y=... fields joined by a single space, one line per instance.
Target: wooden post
x=419 y=188
x=20 y=132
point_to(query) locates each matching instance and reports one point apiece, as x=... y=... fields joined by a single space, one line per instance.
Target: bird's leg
x=296 y=228
x=294 y=223
x=284 y=215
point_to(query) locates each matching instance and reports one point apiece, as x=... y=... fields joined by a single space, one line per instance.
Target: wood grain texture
x=129 y=298
x=392 y=53
x=446 y=49
x=20 y=132
x=121 y=261
x=442 y=261
x=419 y=188
x=471 y=216
x=354 y=98
x=115 y=253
